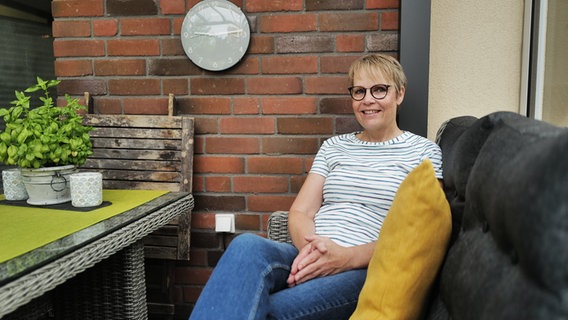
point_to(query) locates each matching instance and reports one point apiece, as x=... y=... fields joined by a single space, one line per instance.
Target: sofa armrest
x=277 y=228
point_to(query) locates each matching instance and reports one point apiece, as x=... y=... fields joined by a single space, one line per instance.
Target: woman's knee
x=246 y=241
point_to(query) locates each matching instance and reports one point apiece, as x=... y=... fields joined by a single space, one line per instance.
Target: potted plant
x=46 y=142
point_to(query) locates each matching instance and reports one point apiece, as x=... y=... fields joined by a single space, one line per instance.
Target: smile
x=370 y=111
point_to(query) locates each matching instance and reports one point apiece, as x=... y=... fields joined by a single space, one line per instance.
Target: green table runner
x=23 y=229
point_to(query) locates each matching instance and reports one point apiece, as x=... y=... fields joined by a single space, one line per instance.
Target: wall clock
x=215 y=34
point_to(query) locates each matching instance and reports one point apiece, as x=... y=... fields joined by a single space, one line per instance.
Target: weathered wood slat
x=139 y=121
x=161 y=241
x=156 y=252
x=129 y=164
x=147 y=152
x=133 y=154
x=117 y=143
x=143 y=133
x=146 y=176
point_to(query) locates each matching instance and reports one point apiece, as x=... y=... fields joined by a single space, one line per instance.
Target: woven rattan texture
x=277 y=228
x=23 y=290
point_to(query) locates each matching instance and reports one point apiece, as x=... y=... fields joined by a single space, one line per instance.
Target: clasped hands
x=319 y=257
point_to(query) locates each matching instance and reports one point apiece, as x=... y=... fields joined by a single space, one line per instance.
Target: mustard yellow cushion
x=409 y=251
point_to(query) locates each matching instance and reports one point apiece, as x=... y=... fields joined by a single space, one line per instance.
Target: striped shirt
x=361 y=181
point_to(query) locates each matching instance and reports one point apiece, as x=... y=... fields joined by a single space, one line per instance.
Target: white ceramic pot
x=86 y=189
x=49 y=185
x=13 y=185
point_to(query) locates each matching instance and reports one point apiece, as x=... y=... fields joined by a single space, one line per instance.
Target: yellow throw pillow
x=410 y=249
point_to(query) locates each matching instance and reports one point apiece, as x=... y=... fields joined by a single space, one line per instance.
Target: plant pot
x=49 y=185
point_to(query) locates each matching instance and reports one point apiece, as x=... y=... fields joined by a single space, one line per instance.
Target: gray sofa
x=506 y=179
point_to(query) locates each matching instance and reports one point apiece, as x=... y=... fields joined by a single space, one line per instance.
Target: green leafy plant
x=46 y=135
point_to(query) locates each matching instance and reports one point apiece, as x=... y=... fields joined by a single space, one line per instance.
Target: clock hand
x=197 y=33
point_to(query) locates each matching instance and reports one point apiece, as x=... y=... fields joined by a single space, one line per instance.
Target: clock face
x=215 y=34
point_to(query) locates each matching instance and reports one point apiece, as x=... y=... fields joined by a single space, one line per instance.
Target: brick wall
x=258 y=124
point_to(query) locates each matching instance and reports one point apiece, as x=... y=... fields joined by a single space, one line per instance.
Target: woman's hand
x=319 y=257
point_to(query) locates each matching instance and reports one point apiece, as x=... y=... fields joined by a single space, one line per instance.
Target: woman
x=335 y=219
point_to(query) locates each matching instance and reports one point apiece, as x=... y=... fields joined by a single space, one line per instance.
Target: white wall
x=475 y=58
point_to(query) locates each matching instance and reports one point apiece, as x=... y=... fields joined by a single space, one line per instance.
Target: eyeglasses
x=378 y=91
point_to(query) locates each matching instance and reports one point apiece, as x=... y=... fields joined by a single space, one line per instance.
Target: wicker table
x=111 y=246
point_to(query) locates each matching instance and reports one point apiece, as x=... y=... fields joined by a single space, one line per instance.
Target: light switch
x=225 y=222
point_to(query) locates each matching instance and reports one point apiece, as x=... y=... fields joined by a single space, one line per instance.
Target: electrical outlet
x=225 y=222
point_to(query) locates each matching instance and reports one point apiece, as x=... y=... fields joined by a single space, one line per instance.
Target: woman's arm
x=303 y=210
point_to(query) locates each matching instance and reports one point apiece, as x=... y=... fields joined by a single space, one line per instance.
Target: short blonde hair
x=379 y=65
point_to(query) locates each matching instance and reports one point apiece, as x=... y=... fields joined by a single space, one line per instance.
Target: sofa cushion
x=509 y=259
x=409 y=251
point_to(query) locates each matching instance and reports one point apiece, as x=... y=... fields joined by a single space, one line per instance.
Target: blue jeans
x=249 y=282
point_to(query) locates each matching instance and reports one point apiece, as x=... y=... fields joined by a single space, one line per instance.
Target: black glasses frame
x=385 y=86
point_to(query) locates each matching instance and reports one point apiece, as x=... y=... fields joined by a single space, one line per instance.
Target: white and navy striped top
x=361 y=181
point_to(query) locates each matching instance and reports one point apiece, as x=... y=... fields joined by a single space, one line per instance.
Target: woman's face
x=376 y=114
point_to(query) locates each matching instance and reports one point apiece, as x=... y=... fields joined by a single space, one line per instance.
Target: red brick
x=107 y=105
x=133 y=47
x=203 y=221
x=79 y=86
x=77 y=8
x=268 y=184
x=326 y=85
x=157 y=106
x=274 y=5
x=218 y=164
x=336 y=64
x=73 y=68
x=283 y=145
x=120 y=67
x=78 y=48
x=248 y=222
x=204 y=125
x=176 y=86
x=289 y=105
x=178 y=22
x=134 y=86
x=280 y=85
x=71 y=28
x=296 y=183
x=336 y=105
x=389 y=20
x=131 y=7
x=367 y=21
x=248 y=65
x=205 y=105
x=271 y=165
x=198 y=180
x=172 y=47
x=192 y=275
x=191 y=293
x=318 y=5
x=305 y=125
x=231 y=145
x=105 y=27
x=214 y=86
x=144 y=26
x=350 y=43
x=382 y=41
x=248 y=125
x=172 y=7
x=383 y=4
x=191 y=3
x=263 y=203
x=289 y=64
x=261 y=44
x=246 y=105
x=218 y=184
x=305 y=43
x=288 y=23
